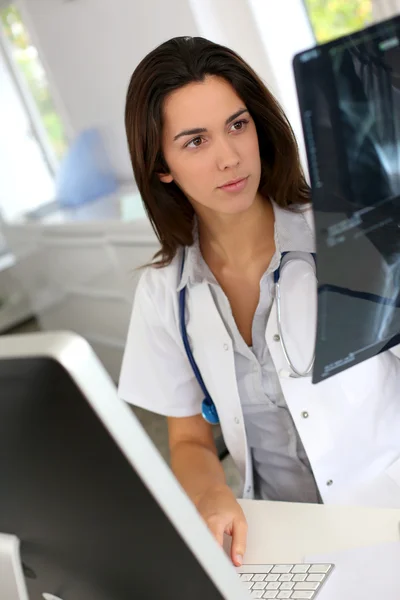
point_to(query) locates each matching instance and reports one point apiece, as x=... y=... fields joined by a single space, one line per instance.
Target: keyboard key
x=314 y=577
x=272 y=577
x=301 y=568
x=246 y=576
x=320 y=569
x=287 y=577
x=259 y=577
x=302 y=595
x=255 y=569
x=259 y=585
x=287 y=585
x=257 y=594
x=306 y=585
x=284 y=595
x=300 y=577
x=270 y=594
x=248 y=584
x=285 y=569
x=273 y=585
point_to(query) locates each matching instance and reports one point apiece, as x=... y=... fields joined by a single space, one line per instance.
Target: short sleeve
x=156 y=373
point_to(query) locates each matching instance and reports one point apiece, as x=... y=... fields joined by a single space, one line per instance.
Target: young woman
x=218 y=170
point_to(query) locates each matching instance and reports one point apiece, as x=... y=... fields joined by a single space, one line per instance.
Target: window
x=333 y=18
x=32 y=140
x=25 y=57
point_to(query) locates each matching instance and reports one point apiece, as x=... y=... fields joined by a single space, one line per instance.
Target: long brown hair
x=172 y=65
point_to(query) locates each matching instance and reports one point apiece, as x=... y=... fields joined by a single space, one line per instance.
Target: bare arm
x=194 y=459
x=196 y=465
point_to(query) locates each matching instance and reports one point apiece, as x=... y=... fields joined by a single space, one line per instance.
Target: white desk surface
x=285 y=532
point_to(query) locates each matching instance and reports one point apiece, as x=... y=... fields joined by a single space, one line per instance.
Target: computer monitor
x=349 y=98
x=97 y=511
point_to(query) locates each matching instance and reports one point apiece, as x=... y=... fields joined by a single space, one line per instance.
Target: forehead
x=200 y=104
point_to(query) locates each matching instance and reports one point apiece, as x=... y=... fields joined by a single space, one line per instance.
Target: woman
x=217 y=167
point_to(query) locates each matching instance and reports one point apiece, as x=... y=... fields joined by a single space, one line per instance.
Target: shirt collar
x=195 y=269
x=292 y=230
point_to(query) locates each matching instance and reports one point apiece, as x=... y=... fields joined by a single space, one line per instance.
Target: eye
x=194 y=143
x=239 y=125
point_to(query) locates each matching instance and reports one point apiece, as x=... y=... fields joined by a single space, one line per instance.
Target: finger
x=217 y=528
x=239 y=540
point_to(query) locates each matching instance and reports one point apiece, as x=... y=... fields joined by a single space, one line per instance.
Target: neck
x=234 y=240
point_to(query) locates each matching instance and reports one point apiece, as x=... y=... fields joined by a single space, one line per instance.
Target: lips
x=235 y=185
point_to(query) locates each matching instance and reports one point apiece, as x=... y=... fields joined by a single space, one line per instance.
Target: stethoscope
x=208 y=410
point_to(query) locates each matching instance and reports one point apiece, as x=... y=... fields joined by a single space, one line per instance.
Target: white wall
x=383 y=9
x=232 y=23
x=90 y=48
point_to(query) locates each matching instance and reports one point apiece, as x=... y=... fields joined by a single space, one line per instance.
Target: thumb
x=239 y=540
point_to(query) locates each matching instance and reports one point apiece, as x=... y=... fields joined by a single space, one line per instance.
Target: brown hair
x=172 y=65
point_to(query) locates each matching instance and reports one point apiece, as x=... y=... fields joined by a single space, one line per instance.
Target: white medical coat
x=349 y=424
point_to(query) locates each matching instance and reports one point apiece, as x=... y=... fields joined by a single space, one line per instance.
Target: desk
x=286 y=532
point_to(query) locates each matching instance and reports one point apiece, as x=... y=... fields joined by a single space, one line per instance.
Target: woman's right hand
x=223 y=514
x=195 y=463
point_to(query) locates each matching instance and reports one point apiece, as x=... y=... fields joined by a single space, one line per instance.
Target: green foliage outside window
x=332 y=18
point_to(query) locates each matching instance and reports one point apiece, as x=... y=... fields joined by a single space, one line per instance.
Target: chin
x=238 y=205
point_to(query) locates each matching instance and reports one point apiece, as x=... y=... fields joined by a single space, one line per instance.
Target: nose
x=227 y=155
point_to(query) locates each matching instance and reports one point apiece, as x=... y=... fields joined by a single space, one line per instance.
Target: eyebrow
x=199 y=130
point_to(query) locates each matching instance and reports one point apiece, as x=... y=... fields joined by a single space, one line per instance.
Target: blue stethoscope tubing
x=208 y=409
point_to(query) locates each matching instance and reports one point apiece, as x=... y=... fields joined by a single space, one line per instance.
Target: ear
x=165 y=177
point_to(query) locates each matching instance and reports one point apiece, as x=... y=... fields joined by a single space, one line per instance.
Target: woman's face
x=210 y=144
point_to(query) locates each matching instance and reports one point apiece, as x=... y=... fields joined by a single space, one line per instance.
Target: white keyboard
x=292 y=582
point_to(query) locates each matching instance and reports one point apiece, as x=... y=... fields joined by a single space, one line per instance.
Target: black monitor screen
x=88 y=526
x=349 y=96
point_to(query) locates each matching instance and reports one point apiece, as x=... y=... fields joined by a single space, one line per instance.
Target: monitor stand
x=12 y=581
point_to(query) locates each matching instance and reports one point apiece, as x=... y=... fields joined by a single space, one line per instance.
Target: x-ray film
x=349 y=96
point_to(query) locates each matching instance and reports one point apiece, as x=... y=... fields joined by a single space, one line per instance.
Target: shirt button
x=329 y=482
x=226 y=347
x=237 y=421
x=249 y=489
x=276 y=338
x=305 y=414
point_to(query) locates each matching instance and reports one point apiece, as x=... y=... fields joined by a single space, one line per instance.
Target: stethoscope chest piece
x=209 y=412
